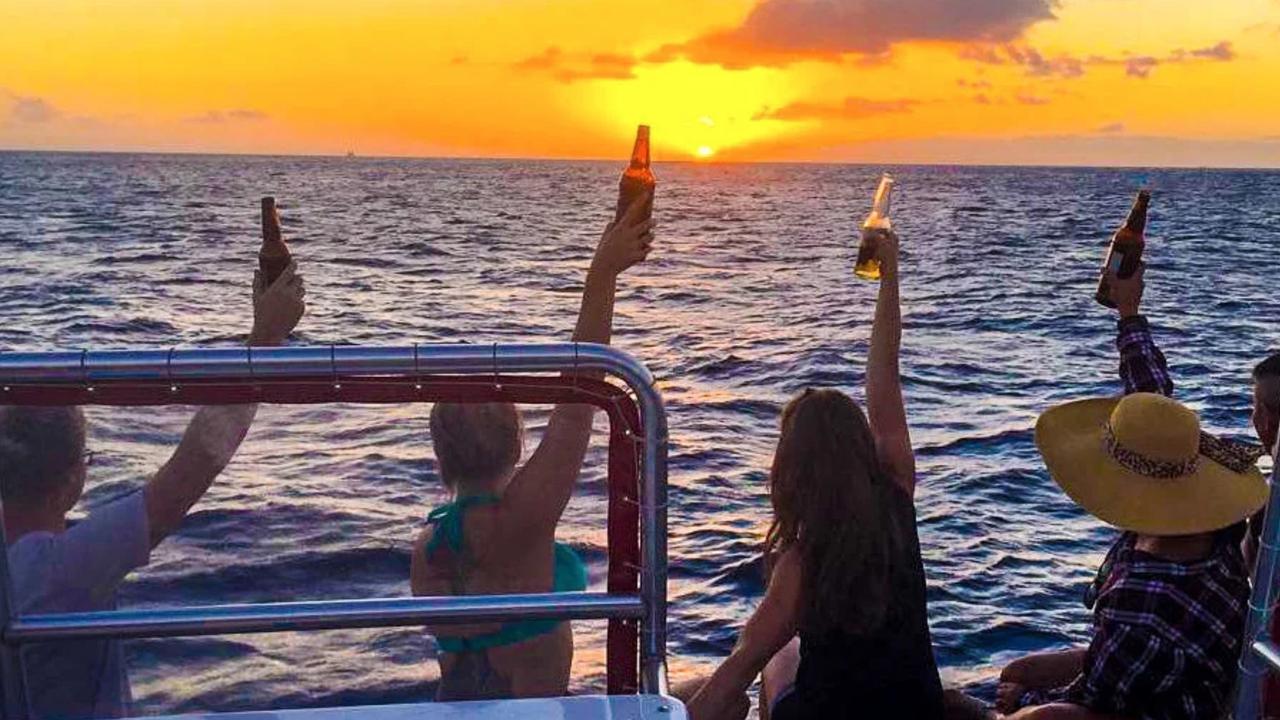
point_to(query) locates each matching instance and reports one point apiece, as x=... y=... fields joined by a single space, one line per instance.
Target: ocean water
x=748 y=298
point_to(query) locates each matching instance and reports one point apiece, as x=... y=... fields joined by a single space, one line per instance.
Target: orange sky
x=1159 y=82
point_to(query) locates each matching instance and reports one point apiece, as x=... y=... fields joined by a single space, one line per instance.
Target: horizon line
x=692 y=161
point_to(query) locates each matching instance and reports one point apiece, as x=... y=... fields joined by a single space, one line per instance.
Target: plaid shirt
x=1142 y=365
x=1166 y=635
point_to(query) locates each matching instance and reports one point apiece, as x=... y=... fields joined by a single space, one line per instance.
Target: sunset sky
x=1115 y=82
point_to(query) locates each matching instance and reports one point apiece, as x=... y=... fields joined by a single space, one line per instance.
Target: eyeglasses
x=89 y=455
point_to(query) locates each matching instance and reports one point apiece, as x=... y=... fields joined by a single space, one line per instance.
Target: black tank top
x=888 y=673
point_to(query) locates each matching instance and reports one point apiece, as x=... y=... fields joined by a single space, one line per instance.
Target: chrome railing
x=322 y=615
x=1261 y=655
x=84 y=368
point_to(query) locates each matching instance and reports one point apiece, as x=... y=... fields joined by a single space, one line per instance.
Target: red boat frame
x=626 y=433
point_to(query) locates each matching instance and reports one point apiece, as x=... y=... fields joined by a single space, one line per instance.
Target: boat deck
x=587 y=707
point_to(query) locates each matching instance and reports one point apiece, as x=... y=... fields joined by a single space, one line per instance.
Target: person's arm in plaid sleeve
x=1126 y=667
x=1143 y=367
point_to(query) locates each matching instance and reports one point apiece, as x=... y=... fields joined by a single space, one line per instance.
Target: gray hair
x=39 y=448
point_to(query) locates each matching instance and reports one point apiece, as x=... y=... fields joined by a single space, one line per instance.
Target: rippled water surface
x=747 y=298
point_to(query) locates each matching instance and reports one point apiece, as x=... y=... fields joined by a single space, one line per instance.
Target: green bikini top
x=570 y=575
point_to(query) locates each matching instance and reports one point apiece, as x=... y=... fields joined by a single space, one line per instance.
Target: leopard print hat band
x=1235 y=456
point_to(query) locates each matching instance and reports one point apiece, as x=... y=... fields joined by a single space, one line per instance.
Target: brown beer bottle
x=868 y=266
x=274 y=256
x=638 y=179
x=1125 y=255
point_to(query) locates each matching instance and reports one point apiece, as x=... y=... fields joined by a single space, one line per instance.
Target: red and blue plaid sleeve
x=1143 y=367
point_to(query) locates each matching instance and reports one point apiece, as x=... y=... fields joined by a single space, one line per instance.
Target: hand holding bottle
x=277 y=307
x=625 y=242
x=882 y=246
x=638 y=179
x=1125 y=253
x=1126 y=293
x=868 y=265
x=274 y=256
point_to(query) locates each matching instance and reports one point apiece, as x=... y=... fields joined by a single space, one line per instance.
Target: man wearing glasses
x=56 y=568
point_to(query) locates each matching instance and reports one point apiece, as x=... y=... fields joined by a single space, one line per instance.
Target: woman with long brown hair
x=843 y=629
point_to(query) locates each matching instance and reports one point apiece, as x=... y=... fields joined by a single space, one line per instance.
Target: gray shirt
x=79 y=571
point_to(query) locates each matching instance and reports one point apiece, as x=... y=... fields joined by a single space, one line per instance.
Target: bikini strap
x=447 y=520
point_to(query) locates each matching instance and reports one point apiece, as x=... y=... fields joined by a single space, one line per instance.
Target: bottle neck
x=640 y=151
x=1136 y=223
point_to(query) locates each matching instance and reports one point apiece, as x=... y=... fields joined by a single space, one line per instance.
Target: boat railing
x=635 y=599
x=1260 y=658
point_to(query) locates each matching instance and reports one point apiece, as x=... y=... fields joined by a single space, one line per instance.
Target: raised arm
x=771 y=626
x=541 y=489
x=215 y=433
x=885 y=409
x=1143 y=367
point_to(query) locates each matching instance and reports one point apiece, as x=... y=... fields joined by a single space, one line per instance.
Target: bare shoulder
x=788 y=571
x=419 y=549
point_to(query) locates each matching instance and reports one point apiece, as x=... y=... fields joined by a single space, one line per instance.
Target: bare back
x=536 y=667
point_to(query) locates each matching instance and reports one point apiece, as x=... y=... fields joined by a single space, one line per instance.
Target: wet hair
x=39 y=448
x=476 y=441
x=831 y=502
x=1267 y=377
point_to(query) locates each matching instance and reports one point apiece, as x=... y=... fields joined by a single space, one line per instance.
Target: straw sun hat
x=1141 y=463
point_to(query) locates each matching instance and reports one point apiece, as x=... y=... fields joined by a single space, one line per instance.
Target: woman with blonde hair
x=497 y=535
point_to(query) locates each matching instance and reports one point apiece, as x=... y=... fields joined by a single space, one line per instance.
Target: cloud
x=1111 y=128
x=1140 y=67
x=608 y=66
x=852 y=108
x=781 y=32
x=1029 y=99
x=219 y=117
x=975 y=84
x=1223 y=51
x=1271 y=29
x=566 y=68
x=1036 y=64
x=32 y=110
x=1034 y=61
x=734 y=53
x=544 y=60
